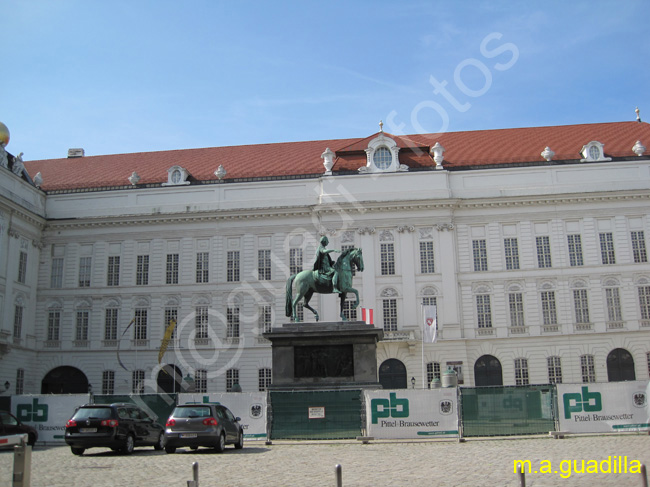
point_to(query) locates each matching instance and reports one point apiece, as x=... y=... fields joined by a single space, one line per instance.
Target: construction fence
x=386 y=414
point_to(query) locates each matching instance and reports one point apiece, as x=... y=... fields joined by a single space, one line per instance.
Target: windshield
x=99 y=413
x=192 y=412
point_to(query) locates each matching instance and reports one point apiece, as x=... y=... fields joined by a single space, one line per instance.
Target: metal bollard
x=339 y=475
x=22 y=465
x=644 y=476
x=195 y=476
x=522 y=477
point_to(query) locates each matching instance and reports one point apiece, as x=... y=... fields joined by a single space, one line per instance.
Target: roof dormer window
x=381 y=156
x=593 y=152
x=176 y=175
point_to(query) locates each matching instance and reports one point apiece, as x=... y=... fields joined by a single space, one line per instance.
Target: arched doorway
x=64 y=380
x=392 y=374
x=169 y=379
x=487 y=371
x=620 y=366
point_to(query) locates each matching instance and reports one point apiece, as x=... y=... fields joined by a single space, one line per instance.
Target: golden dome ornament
x=4 y=134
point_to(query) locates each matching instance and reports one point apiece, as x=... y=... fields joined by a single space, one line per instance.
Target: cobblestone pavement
x=476 y=462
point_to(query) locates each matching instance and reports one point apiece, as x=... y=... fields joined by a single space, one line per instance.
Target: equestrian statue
x=326 y=277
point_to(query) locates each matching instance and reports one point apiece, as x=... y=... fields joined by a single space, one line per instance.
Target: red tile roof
x=281 y=160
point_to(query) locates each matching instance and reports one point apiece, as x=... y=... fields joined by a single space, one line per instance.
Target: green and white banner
x=249 y=406
x=604 y=408
x=408 y=413
x=47 y=413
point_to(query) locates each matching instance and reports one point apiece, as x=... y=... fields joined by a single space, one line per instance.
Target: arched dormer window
x=176 y=176
x=382 y=156
x=594 y=151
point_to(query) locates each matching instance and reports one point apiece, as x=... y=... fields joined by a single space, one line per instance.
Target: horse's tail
x=288 y=305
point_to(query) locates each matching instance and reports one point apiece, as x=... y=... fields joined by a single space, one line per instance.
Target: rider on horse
x=324 y=265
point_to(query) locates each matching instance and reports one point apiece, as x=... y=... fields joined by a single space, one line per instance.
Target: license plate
x=187 y=435
x=87 y=430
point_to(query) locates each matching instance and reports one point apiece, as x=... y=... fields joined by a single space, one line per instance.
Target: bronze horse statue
x=308 y=282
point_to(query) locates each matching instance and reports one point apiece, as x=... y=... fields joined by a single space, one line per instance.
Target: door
x=487 y=372
x=620 y=366
x=392 y=374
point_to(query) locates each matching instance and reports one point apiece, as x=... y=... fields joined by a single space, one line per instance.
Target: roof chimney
x=75 y=153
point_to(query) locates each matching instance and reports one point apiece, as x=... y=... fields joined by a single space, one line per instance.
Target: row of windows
x=574 y=248
x=200 y=381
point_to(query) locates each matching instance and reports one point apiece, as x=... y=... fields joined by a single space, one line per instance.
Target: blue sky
x=147 y=75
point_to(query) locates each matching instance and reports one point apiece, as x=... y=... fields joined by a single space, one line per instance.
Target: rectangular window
x=263 y=379
x=56 y=276
x=516 y=302
x=644 y=302
x=521 y=372
x=581 y=305
x=171 y=274
x=53 y=326
x=22 y=267
x=232 y=263
x=430 y=301
x=549 y=310
x=613 y=299
x=265 y=323
x=607 y=248
x=108 y=382
x=554 y=366
x=427 y=264
x=483 y=311
x=575 y=250
x=295 y=261
x=300 y=312
x=81 y=328
x=20 y=381
x=202 y=266
x=18 y=321
x=543 y=251
x=511 y=248
x=137 y=386
x=142 y=271
x=433 y=372
x=201 y=321
x=479 y=251
x=387 y=257
x=264 y=264
x=85 y=265
x=638 y=247
x=232 y=378
x=113 y=273
x=201 y=381
x=349 y=309
x=588 y=368
x=110 y=324
x=140 y=324
x=232 y=319
x=171 y=314
x=389 y=307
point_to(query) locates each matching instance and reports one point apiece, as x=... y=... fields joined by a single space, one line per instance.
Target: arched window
x=620 y=366
x=392 y=374
x=487 y=371
x=64 y=380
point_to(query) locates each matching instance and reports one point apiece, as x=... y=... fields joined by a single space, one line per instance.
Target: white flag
x=430 y=332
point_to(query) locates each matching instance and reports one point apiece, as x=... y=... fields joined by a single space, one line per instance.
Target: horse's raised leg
x=308 y=296
x=342 y=308
x=356 y=294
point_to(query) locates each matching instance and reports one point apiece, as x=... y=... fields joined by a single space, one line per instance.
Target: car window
x=100 y=413
x=134 y=413
x=220 y=413
x=7 y=418
x=229 y=415
x=123 y=413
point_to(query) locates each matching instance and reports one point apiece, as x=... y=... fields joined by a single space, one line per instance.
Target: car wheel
x=240 y=441
x=77 y=451
x=160 y=444
x=221 y=443
x=170 y=449
x=128 y=446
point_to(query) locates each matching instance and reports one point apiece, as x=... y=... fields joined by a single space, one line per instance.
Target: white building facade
x=538 y=268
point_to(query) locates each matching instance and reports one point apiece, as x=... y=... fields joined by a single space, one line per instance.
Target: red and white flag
x=430 y=332
x=366 y=315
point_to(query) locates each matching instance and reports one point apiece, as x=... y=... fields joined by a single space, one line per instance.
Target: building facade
x=530 y=242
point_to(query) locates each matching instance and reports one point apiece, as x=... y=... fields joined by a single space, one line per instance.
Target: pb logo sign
x=389 y=408
x=34 y=412
x=577 y=403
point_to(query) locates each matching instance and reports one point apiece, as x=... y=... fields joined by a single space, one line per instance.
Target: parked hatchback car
x=10 y=425
x=210 y=425
x=120 y=427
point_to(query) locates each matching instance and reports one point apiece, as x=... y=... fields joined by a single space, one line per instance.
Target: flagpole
x=422 y=345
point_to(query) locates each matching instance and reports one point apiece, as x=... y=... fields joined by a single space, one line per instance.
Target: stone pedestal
x=325 y=355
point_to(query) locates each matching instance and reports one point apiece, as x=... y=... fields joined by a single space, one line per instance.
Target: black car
x=9 y=425
x=120 y=427
x=207 y=424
